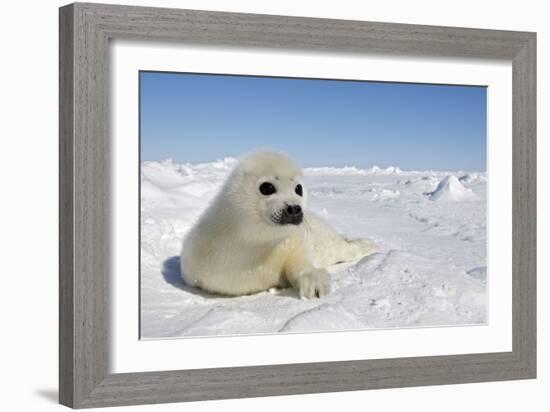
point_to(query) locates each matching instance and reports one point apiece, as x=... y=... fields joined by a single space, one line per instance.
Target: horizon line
x=359 y=168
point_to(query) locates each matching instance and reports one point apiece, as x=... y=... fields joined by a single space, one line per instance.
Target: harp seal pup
x=256 y=234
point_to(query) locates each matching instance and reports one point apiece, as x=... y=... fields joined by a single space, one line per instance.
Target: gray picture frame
x=85 y=32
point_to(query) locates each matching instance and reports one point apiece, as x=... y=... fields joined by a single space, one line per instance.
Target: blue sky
x=197 y=118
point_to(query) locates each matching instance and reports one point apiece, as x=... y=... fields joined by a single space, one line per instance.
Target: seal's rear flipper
x=359 y=248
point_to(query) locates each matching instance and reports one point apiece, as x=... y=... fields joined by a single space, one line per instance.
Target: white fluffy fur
x=236 y=248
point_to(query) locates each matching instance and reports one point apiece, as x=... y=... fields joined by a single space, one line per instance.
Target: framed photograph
x=256 y=205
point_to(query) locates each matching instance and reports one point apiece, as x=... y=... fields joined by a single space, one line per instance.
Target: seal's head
x=273 y=188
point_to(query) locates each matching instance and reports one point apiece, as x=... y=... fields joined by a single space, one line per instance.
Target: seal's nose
x=294 y=210
x=292 y=214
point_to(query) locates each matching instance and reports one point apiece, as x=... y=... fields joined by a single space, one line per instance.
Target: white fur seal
x=255 y=234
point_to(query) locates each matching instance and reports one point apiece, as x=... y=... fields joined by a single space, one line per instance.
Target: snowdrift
x=450 y=189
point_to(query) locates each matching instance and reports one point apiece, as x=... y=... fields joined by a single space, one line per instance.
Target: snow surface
x=450 y=189
x=430 y=268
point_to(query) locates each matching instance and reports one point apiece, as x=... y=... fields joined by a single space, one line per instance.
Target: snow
x=429 y=270
x=352 y=170
x=450 y=189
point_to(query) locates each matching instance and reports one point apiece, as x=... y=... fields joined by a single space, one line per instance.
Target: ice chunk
x=450 y=189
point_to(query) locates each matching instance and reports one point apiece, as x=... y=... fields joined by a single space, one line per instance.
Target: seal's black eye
x=267 y=189
x=298 y=190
